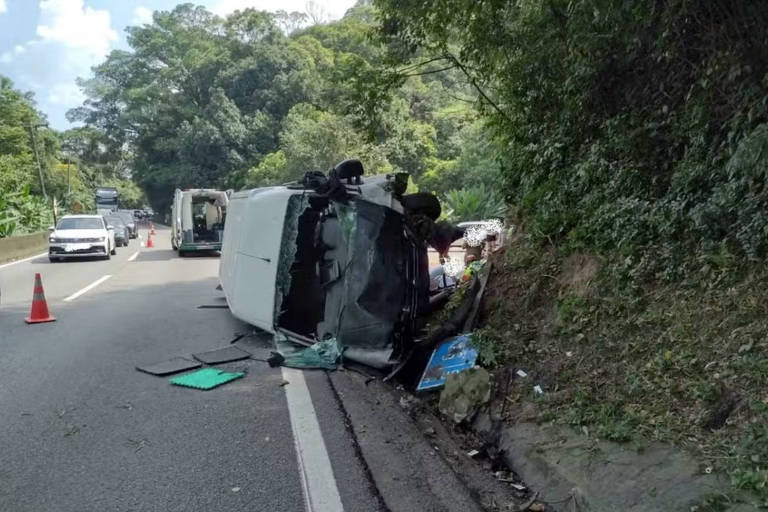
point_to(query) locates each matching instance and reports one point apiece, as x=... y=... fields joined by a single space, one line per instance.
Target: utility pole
x=32 y=130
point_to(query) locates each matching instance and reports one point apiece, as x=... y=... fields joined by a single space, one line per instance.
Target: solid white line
x=22 y=261
x=133 y=256
x=317 y=481
x=89 y=287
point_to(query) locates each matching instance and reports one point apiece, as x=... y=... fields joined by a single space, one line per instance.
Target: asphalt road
x=83 y=430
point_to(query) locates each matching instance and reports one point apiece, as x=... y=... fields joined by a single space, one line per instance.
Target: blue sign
x=452 y=356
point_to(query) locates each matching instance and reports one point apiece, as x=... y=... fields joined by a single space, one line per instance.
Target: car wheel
x=422 y=203
x=53 y=259
x=113 y=251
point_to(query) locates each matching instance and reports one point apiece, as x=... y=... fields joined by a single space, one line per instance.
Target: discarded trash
x=518 y=487
x=453 y=356
x=521 y=373
x=323 y=354
x=465 y=393
x=222 y=355
x=173 y=365
x=473 y=453
x=207 y=378
x=569 y=354
x=282 y=384
x=235 y=489
x=537 y=389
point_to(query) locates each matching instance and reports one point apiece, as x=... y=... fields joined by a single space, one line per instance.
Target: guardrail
x=16 y=247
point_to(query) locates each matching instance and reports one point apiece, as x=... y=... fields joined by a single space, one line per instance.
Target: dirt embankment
x=685 y=363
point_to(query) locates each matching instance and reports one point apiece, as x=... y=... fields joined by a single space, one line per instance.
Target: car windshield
x=115 y=221
x=127 y=217
x=81 y=223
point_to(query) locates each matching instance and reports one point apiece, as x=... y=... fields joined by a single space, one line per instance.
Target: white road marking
x=133 y=256
x=22 y=261
x=87 y=288
x=317 y=481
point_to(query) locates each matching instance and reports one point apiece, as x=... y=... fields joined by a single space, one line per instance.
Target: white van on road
x=197 y=219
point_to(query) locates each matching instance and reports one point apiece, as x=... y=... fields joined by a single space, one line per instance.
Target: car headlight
x=101 y=239
x=53 y=239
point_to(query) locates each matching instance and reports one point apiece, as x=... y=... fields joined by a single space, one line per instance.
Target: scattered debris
x=324 y=354
x=170 y=366
x=222 y=355
x=537 y=389
x=235 y=489
x=138 y=444
x=212 y=306
x=207 y=378
x=125 y=405
x=282 y=383
x=521 y=373
x=528 y=504
x=465 y=393
x=71 y=430
x=429 y=432
x=452 y=356
x=473 y=453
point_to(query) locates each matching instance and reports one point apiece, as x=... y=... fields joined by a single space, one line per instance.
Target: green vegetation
x=635 y=137
x=38 y=164
x=233 y=102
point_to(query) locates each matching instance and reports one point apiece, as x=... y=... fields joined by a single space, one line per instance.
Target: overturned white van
x=197 y=219
x=339 y=256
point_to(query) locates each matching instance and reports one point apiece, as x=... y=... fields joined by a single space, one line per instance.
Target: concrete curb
x=17 y=247
x=571 y=470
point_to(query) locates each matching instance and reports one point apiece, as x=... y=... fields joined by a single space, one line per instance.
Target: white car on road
x=77 y=236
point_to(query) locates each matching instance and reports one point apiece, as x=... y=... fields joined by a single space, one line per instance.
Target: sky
x=46 y=44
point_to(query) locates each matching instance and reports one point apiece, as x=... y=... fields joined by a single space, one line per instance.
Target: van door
x=176 y=220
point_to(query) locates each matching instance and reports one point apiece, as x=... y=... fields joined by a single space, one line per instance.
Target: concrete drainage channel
x=412 y=460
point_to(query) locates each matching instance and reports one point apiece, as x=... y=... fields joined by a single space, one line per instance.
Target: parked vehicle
x=337 y=256
x=77 y=236
x=127 y=216
x=122 y=232
x=197 y=219
x=106 y=200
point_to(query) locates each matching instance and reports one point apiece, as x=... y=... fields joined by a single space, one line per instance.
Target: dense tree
x=230 y=102
x=622 y=123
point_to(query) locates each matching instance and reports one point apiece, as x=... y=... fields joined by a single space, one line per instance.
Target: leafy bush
x=21 y=212
x=474 y=203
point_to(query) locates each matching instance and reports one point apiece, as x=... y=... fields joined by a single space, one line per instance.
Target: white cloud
x=67 y=94
x=142 y=15
x=70 y=23
x=71 y=38
x=3 y=6
x=333 y=9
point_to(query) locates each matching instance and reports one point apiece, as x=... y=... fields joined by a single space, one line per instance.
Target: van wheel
x=422 y=203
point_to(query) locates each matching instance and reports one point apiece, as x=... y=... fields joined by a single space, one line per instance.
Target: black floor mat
x=222 y=355
x=173 y=365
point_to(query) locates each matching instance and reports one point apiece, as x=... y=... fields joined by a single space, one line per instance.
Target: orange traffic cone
x=39 y=312
x=151 y=229
x=150 y=243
